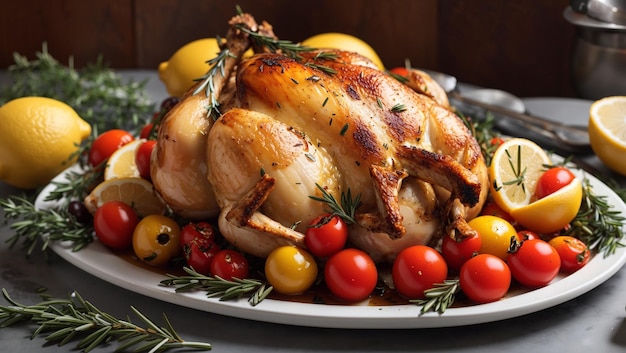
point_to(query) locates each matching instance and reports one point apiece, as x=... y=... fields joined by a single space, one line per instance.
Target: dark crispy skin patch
x=370 y=148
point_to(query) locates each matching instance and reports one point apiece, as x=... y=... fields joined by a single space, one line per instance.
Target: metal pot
x=599 y=57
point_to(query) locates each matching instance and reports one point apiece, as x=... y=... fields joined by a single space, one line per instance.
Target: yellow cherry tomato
x=156 y=240
x=495 y=234
x=290 y=269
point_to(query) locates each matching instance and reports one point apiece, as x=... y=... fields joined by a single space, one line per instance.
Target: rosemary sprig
x=596 y=224
x=33 y=225
x=346 y=209
x=208 y=84
x=285 y=47
x=76 y=186
x=74 y=318
x=322 y=55
x=440 y=297
x=217 y=287
x=291 y=50
x=98 y=94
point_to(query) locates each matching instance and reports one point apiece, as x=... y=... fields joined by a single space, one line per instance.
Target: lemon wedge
x=553 y=212
x=122 y=164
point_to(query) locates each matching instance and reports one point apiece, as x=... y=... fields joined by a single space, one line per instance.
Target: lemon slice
x=515 y=168
x=553 y=212
x=607 y=131
x=121 y=164
x=136 y=192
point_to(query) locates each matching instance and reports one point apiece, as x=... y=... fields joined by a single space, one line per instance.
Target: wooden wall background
x=522 y=46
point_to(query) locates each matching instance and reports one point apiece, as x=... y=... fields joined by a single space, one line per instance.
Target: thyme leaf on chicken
x=68 y=319
x=345 y=209
x=217 y=287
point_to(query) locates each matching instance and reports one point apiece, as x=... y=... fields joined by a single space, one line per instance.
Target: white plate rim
x=104 y=264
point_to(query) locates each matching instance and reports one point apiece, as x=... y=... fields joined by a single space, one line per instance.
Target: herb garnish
x=217 y=287
x=346 y=210
x=208 y=84
x=596 y=224
x=440 y=297
x=73 y=318
x=33 y=225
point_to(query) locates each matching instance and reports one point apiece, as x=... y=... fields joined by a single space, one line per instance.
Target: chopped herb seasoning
x=344 y=129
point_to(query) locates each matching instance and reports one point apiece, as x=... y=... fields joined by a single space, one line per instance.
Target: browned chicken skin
x=292 y=125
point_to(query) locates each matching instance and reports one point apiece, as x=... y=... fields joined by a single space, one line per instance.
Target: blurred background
x=524 y=47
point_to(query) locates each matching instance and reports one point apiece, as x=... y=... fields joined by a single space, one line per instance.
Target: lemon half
x=135 y=192
x=607 y=131
x=515 y=168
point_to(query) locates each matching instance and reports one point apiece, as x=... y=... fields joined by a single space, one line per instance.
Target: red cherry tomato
x=229 y=264
x=457 y=251
x=145 y=131
x=416 y=269
x=351 y=274
x=114 y=223
x=526 y=234
x=199 y=254
x=552 y=180
x=326 y=235
x=401 y=71
x=194 y=230
x=534 y=263
x=485 y=278
x=143 y=157
x=573 y=252
x=496 y=141
x=106 y=143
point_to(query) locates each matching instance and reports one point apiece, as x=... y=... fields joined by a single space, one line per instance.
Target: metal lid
x=608 y=11
x=581 y=19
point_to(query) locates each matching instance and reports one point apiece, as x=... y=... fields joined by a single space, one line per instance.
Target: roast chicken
x=291 y=129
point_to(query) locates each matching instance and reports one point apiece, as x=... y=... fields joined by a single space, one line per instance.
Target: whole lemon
x=343 y=41
x=186 y=64
x=39 y=135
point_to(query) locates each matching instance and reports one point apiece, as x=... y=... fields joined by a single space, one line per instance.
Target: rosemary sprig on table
x=68 y=319
x=99 y=95
x=217 y=287
x=33 y=225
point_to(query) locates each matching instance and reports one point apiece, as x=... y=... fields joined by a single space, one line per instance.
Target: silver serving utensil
x=569 y=138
